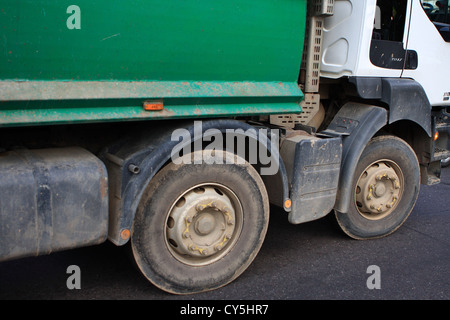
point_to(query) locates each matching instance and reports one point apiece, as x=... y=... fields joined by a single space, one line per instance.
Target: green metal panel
x=51 y=102
x=158 y=46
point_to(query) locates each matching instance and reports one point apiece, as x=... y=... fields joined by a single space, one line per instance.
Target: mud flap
x=313 y=166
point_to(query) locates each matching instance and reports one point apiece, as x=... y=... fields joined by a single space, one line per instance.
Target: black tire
x=174 y=262
x=384 y=190
x=445 y=162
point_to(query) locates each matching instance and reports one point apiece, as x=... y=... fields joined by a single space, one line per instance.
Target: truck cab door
x=429 y=37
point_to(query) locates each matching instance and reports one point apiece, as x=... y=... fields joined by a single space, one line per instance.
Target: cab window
x=387 y=49
x=439 y=13
x=390 y=20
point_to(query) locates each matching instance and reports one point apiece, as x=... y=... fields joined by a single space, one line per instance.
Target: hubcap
x=203 y=224
x=379 y=189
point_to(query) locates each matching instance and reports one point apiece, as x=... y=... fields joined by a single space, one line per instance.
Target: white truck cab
x=390 y=38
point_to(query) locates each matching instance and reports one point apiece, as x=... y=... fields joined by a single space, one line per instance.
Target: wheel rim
x=203 y=224
x=379 y=189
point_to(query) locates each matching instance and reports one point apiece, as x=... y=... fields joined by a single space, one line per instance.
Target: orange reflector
x=153 y=105
x=436 y=135
x=287 y=203
x=125 y=234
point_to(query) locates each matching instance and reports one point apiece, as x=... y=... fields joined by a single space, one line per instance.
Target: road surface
x=313 y=261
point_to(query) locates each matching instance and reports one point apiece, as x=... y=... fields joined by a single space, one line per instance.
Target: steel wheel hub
x=379 y=189
x=203 y=224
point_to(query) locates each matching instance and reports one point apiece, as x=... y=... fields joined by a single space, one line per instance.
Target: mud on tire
x=199 y=226
x=384 y=189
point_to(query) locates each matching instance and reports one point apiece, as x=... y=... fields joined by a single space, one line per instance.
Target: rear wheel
x=384 y=190
x=200 y=226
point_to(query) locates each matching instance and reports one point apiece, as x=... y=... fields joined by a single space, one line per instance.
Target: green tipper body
x=98 y=60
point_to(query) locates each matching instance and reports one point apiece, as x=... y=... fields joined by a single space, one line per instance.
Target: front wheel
x=384 y=190
x=199 y=226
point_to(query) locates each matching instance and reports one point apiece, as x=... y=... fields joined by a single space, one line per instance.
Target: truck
x=172 y=127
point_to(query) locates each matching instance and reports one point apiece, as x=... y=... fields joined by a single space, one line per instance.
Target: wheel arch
x=356 y=123
x=412 y=133
x=132 y=164
x=402 y=109
x=405 y=98
x=371 y=121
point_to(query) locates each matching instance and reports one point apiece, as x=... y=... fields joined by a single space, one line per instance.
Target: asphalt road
x=313 y=261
